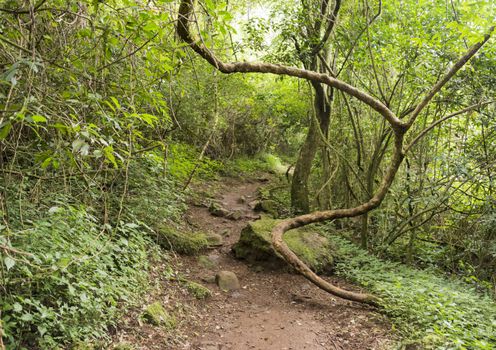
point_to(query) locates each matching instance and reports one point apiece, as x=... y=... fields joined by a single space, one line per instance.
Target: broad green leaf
x=5 y=129
x=9 y=262
x=39 y=118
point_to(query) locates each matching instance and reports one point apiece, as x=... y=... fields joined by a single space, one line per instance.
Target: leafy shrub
x=183 y=159
x=439 y=313
x=153 y=197
x=70 y=286
x=264 y=162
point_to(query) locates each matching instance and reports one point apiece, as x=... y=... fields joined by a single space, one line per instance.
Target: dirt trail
x=273 y=309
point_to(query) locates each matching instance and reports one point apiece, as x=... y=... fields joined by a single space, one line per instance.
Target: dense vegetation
x=107 y=117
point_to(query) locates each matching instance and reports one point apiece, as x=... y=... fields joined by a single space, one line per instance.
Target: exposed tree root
x=281 y=247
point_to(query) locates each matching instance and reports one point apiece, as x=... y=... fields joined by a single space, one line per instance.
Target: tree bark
x=300 y=199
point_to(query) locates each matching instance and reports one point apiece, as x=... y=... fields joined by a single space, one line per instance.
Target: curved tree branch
x=399 y=127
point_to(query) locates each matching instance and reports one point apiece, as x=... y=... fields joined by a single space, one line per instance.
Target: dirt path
x=273 y=309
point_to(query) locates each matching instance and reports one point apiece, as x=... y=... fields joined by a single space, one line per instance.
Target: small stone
x=254 y=204
x=236 y=215
x=269 y=206
x=227 y=280
x=216 y=210
x=208 y=279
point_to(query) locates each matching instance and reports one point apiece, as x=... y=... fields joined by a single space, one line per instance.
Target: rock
x=208 y=279
x=183 y=242
x=255 y=246
x=197 y=290
x=156 y=315
x=227 y=280
x=217 y=210
x=206 y=262
x=253 y=204
x=268 y=206
x=214 y=240
x=236 y=215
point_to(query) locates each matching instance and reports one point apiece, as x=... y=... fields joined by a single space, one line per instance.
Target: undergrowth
x=263 y=162
x=436 y=312
x=75 y=254
x=72 y=280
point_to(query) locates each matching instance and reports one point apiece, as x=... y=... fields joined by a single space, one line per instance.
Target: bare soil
x=273 y=310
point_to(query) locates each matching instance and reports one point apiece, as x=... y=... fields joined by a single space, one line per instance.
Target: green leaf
x=27 y=317
x=4 y=130
x=9 y=262
x=17 y=307
x=116 y=103
x=39 y=118
x=109 y=154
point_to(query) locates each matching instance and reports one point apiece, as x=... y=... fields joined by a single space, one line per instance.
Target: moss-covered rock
x=217 y=210
x=206 y=262
x=197 y=290
x=227 y=280
x=214 y=239
x=255 y=246
x=268 y=206
x=183 y=242
x=156 y=315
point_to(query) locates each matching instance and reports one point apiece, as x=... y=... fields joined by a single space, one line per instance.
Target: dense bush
x=72 y=280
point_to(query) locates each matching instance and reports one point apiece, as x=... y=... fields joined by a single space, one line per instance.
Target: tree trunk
x=300 y=201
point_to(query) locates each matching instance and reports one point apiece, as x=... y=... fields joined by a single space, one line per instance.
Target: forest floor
x=271 y=310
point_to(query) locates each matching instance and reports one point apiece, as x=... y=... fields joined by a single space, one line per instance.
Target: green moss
x=214 y=239
x=255 y=246
x=156 y=315
x=181 y=242
x=269 y=206
x=206 y=262
x=197 y=290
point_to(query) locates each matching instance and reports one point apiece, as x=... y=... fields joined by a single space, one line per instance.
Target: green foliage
x=263 y=162
x=437 y=312
x=183 y=159
x=74 y=280
x=153 y=195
